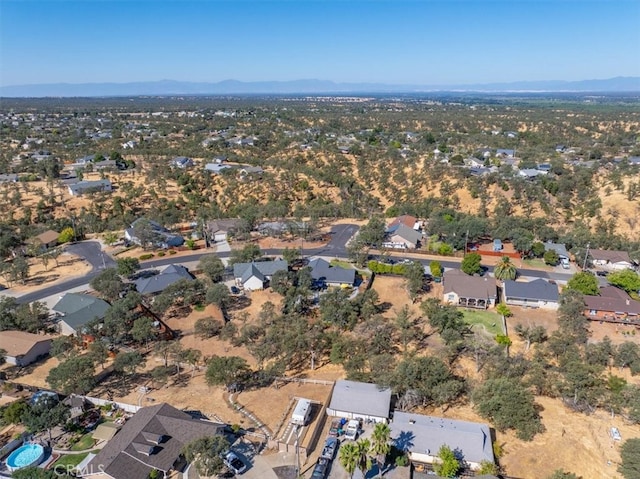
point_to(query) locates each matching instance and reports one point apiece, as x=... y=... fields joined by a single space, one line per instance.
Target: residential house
x=157 y=283
x=159 y=235
x=152 y=440
x=538 y=293
x=407 y=220
x=460 y=289
x=560 y=148
x=182 y=162
x=77 y=310
x=82 y=187
x=474 y=163
x=401 y=236
x=255 y=275
x=544 y=167
x=24 y=348
x=505 y=153
x=530 y=173
x=559 y=248
x=423 y=436
x=613 y=305
x=324 y=274
x=634 y=160
x=357 y=400
x=219 y=230
x=611 y=259
x=216 y=168
x=48 y=239
x=8 y=178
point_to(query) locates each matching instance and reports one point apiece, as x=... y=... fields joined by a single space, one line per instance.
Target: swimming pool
x=27 y=455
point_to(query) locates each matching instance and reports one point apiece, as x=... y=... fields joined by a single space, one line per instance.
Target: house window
x=450 y=297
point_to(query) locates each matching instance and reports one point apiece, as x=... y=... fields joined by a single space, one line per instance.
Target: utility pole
x=586 y=255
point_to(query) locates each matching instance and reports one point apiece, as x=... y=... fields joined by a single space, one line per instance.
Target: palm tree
x=380 y=446
x=364 y=460
x=349 y=455
x=505 y=269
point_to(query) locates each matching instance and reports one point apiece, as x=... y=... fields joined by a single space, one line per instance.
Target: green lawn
x=72 y=459
x=483 y=321
x=536 y=263
x=342 y=264
x=85 y=442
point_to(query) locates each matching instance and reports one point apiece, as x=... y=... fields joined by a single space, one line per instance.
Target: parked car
x=233 y=462
x=330 y=448
x=352 y=430
x=320 y=469
x=615 y=434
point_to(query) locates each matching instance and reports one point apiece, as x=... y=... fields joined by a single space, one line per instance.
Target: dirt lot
x=69 y=265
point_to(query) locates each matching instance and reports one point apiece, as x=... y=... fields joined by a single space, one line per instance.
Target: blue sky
x=402 y=42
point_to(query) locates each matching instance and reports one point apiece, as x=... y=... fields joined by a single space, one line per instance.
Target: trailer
x=301 y=413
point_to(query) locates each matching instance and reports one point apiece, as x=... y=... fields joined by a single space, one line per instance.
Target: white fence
x=102 y=402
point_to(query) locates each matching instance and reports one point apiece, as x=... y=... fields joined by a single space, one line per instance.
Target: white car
x=615 y=434
x=233 y=462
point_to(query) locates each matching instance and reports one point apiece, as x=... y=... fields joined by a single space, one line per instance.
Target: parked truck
x=352 y=430
x=301 y=413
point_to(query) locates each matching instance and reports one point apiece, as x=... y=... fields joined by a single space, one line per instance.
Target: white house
x=611 y=259
x=356 y=400
x=422 y=436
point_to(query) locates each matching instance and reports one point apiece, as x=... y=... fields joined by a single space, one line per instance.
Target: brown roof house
x=611 y=259
x=460 y=289
x=24 y=348
x=151 y=440
x=613 y=305
x=48 y=239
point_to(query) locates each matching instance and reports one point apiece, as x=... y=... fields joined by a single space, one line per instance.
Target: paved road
x=337 y=247
x=92 y=252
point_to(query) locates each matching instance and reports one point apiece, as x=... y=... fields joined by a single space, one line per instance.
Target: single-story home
x=254 y=276
x=611 y=259
x=216 y=168
x=151 y=440
x=157 y=283
x=538 y=293
x=407 y=220
x=160 y=236
x=8 y=178
x=505 y=153
x=460 y=289
x=76 y=310
x=559 y=248
x=401 y=236
x=324 y=274
x=422 y=436
x=182 y=162
x=24 y=348
x=220 y=229
x=613 y=305
x=82 y=187
x=48 y=239
x=356 y=400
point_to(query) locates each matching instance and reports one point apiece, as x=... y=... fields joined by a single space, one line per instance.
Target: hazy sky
x=391 y=41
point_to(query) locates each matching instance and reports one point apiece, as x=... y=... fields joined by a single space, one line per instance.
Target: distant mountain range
x=234 y=87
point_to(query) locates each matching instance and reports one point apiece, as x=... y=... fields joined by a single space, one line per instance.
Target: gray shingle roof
x=428 y=433
x=170 y=275
x=79 y=309
x=559 y=248
x=406 y=233
x=469 y=286
x=321 y=270
x=125 y=456
x=361 y=398
x=610 y=256
x=265 y=268
x=539 y=290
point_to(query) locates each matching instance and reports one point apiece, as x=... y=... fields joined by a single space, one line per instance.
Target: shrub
x=161 y=254
x=172 y=251
x=146 y=256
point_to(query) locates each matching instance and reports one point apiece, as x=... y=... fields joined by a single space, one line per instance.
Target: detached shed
x=356 y=400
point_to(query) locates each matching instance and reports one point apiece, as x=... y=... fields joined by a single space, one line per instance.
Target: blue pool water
x=27 y=455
